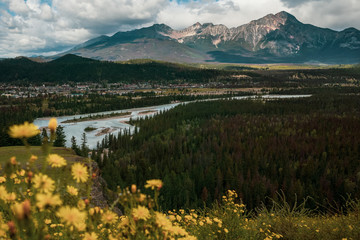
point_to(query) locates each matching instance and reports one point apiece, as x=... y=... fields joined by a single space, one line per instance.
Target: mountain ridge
x=274 y=38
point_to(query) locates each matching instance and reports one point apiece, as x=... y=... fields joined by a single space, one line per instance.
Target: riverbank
x=98 y=117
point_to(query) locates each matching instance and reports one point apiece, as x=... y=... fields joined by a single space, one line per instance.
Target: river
x=116 y=124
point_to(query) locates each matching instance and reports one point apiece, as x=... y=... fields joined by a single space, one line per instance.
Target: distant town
x=73 y=90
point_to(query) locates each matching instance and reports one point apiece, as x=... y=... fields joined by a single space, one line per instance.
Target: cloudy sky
x=46 y=27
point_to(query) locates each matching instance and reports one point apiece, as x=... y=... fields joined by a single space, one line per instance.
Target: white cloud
x=18 y=6
x=105 y=16
x=31 y=26
x=231 y=13
x=332 y=14
x=294 y=3
x=34 y=26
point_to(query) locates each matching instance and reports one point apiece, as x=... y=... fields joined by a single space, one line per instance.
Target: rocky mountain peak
x=162 y=28
x=272 y=38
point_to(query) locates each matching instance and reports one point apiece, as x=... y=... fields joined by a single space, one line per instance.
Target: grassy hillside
x=23 y=154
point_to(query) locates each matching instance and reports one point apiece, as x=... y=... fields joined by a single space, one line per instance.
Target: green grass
x=23 y=154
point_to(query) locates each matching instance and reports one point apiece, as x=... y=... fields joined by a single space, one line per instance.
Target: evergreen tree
x=35 y=141
x=44 y=136
x=60 y=137
x=74 y=145
x=84 y=148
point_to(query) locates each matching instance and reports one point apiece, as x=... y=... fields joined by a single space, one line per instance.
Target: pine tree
x=84 y=148
x=60 y=137
x=74 y=145
x=44 y=136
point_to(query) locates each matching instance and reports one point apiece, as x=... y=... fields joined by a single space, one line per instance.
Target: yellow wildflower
x=154 y=183
x=162 y=221
x=124 y=221
x=140 y=213
x=108 y=217
x=43 y=183
x=52 y=124
x=11 y=197
x=13 y=160
x=72 y=216
x=33 y=158
x=25 y=130
x=133 y=188
x=79 y=172
x=21 y=210
x=18 y=210
x=17 y=181
x=90 y=236
x=47 y=221
x=21 y=172
x=81 y=204
x=3 y=193
x=47 y=200
x=72 y=190
x=142 y=197
x=95 y=210
x=2 y=179
x=55 y=160
x=177 y=230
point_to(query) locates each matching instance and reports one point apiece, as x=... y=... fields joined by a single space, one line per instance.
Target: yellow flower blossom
x=79 y=172
x=21 y=210
x=47 y=200
x=21 y=173
x=72 y=190
x=90 y=236
x=176 y=230
x=162 y=221
x=72 y=216
x=25 y=130
x=52 y=124
x=3 y=193
x=55 y=160
x=33 y=158
x=133 y=188
x=43 y=183
x=141 y=213
x=11 y=197
x=108 y=217
x=81 y=204
x=154 y=183
x=124 y=221
x=2 y=179
x=142 y=197
x=95 y=210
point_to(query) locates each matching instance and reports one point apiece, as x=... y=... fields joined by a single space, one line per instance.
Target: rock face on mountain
x=271 y=39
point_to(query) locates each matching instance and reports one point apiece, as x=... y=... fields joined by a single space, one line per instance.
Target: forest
x=71 y=68
x=301 y=148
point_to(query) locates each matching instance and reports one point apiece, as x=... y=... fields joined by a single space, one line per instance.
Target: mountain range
x=271 y=39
